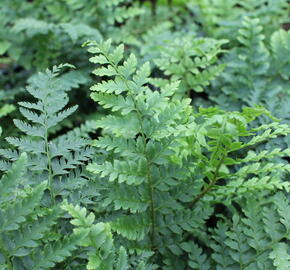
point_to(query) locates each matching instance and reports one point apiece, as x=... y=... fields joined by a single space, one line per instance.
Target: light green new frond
x=6 y=109
x=280 y=256
x=117 y=86
x=98 y=237
x=81 y=219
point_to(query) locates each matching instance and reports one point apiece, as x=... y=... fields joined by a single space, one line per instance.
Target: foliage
x=57 y=161
x=25 y=237
x=256 y=74
x=178 y=157
x=152 y=137
x=222 y=18
x=195 y=55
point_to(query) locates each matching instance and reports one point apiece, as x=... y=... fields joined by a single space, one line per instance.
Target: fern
x=102 y=253
x=49 y=159
x=222 y=18
x=254 y=75
x=147 y=180
x=248 y=241
x=195 y=55
x=151 y=137
x=25 y=225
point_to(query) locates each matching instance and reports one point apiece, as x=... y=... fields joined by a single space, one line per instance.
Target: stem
x=47 y=150
x=216 y=173
x=152 y=206
x=211 y=184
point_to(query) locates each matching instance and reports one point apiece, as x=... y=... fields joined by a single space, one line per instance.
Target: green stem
x=50 y=173
x=217 y=169
x=152 y=206
x=211 y=184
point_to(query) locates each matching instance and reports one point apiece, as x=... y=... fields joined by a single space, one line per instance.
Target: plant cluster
x=163 y=144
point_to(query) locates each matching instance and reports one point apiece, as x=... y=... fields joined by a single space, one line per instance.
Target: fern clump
x=166 y=164
x=26 y=241
x=247 y=241
x=101 y=252
x=222 y=18
x=178 y=157
x=256 y=74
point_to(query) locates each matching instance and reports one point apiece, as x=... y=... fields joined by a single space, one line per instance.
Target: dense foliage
x=144 y=134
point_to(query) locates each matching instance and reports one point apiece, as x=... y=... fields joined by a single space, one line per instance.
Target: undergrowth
x=167 y=149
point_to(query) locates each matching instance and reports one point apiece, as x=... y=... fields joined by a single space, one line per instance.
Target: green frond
x=131 y=227
x=130 y=172
x=54 y=253
x=50 y=160
x=197 y=259
x=28 y=237
x=97 y=236
x=198 y=56
x=280 y=256
x=17 y=212
x=126 y=126
x=10 y=182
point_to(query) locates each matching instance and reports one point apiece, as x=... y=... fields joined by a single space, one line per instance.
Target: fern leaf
x=52 y=254
x=280 y=256
x=15 y=214
x=12 y=179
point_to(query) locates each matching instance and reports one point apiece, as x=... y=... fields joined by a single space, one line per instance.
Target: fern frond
x=54 y=253
x=15 y=214
x=12 y=179
x=56 y=158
